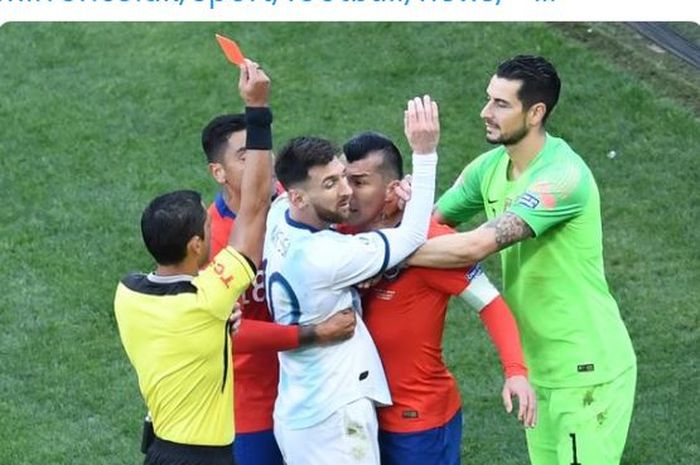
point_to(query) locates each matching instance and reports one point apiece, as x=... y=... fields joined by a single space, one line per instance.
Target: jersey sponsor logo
x=528 y=200
x=586 y=367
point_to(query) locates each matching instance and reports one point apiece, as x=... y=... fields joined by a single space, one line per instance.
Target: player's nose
x=486 y=111
x=345 y=188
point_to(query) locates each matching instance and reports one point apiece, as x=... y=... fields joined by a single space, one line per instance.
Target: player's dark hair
x=540 y=82
x=301 y=154
x=216 y=133
x=169 y=222
x=361 y=145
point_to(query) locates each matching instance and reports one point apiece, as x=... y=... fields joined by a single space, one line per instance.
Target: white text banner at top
x=346 y=10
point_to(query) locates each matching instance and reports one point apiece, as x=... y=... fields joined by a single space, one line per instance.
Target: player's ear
x=297 y=197
x=195 y=246
x=536 y=113
x=217 y=172
x=391 y=199
x=390 y=192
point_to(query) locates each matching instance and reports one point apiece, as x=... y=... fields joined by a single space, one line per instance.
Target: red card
x=231 y=50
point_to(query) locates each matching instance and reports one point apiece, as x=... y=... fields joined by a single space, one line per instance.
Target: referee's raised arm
x=247 y=237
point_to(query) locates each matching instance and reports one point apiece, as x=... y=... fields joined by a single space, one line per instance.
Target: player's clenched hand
x=422 y=125
x=253 y=84
x=338 y=327
x=518 y=386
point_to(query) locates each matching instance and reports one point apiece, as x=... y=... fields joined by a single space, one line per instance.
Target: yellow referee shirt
x=174 y=330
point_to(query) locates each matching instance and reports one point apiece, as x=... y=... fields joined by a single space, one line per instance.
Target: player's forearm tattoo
x=510 y=228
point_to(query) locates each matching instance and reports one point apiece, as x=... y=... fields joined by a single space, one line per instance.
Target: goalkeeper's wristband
x=258 y=122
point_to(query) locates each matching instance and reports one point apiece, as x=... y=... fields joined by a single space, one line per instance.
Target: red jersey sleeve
x=504 y=333
x=259 y=336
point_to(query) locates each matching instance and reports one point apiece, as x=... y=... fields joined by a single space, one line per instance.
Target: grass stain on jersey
x=601 y=417
x=588 y=398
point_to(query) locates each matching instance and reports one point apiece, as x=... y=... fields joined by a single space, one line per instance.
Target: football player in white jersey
x=324 y=413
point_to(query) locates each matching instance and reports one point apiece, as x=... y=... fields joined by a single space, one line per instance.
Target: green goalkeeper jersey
x=570 y=325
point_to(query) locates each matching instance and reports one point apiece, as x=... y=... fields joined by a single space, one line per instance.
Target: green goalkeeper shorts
x=583 y=425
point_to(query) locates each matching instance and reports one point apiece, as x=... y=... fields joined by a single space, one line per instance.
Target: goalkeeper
x=543 y=211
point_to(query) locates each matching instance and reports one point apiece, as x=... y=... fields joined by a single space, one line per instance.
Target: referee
x=174 y=322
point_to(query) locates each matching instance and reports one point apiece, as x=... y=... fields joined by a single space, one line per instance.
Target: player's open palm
x=519 y=387
x=422 y=125
x=253 y=84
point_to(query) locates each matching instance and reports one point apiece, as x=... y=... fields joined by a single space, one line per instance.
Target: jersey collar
x=176 y=278
x=222 y=208
x=297 y=224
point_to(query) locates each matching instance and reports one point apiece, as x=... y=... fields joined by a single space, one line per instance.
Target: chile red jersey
x=255 y=374
x=405 y=313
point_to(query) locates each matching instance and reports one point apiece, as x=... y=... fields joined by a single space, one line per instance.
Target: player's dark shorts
x=259 y=448
x=163 y=452
x=436 y=446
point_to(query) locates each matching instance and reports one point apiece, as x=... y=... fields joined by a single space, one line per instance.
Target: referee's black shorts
x=163 y=452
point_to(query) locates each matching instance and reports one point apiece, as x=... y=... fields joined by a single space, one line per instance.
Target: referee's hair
x=301 y=154
x=216 y=133
x=169 y=222
x=540 y=81
x=361 y=145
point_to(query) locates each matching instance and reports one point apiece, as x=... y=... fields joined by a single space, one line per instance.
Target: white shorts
x=348 y=437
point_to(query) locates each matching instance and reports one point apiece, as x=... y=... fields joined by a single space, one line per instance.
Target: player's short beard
x=511 y=139
x=330 y=216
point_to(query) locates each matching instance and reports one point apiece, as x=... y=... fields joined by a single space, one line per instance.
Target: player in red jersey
x=258 y=340
x=405 y=313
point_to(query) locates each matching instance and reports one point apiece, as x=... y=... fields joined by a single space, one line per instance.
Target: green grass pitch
x=96 y=119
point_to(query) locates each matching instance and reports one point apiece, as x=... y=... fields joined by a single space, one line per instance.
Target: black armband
x=307 y=335
x=258 y=122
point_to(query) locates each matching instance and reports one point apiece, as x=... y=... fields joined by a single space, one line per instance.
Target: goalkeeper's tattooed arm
x=509 y=228
x=467 y=248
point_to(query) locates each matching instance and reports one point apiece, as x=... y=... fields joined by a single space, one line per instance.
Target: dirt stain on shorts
x=359 y=440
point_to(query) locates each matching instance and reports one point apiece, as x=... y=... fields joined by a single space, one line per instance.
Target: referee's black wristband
x=258 y=122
